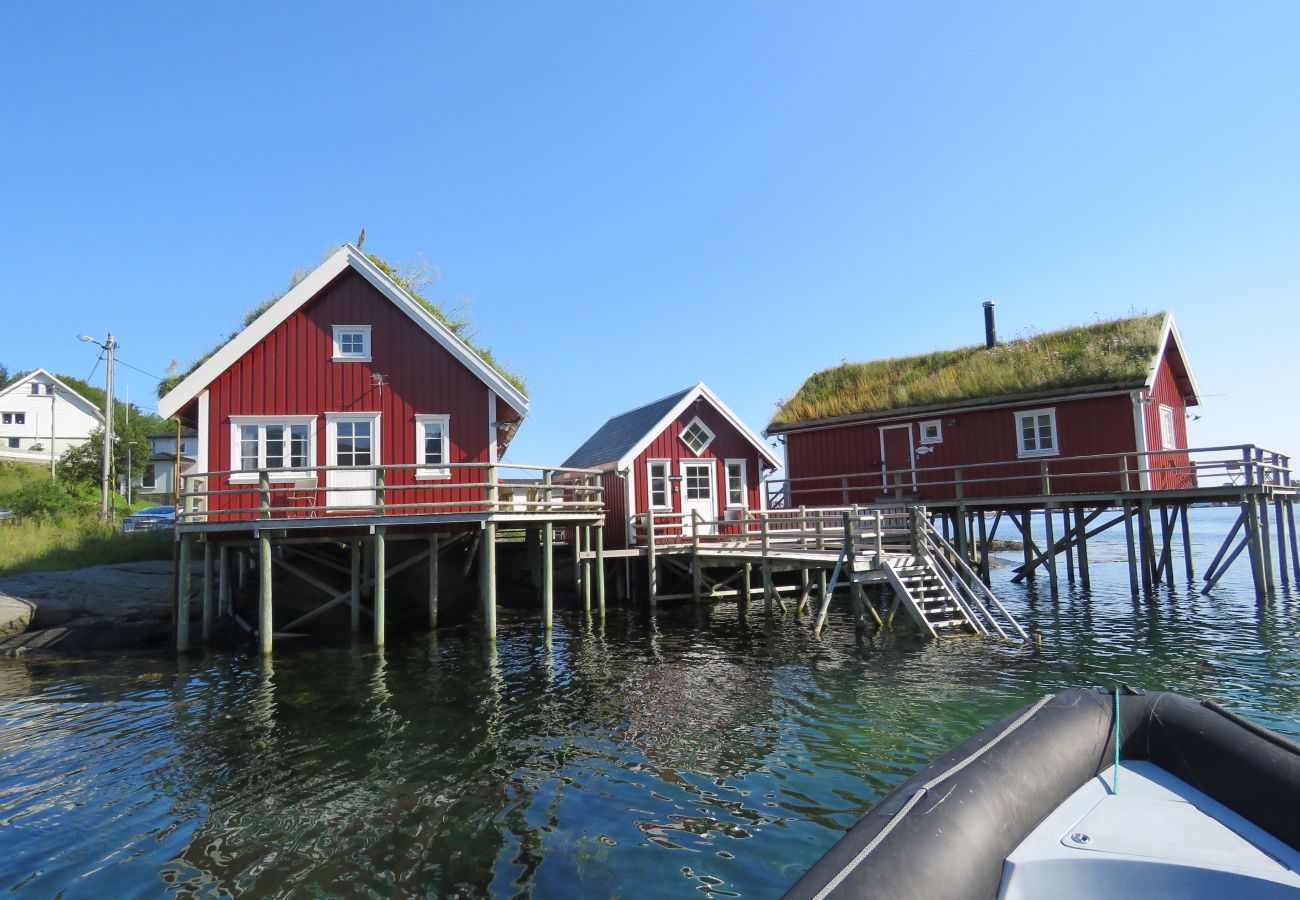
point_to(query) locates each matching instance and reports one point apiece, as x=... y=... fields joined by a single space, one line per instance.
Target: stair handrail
x=959 y=590
x=935 y=538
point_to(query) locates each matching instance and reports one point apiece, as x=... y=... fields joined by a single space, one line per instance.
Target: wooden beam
x=1132 y=550
x=355 y=576
x=1187 y=544
x=600 y=567
x=265 y=576
x=433 y=579
x=209 y=585
x=548 y=573
x=225 y=602
x=381 y=584
x=1081 y=541
x=488 y=579
x=185 y=568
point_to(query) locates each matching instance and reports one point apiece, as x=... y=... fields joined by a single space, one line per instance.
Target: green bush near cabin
x=1103 y=353
x=410 y=279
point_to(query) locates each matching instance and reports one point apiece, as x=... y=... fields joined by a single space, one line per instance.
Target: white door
x=698 y=493
x=897 y=458
x=352 y=442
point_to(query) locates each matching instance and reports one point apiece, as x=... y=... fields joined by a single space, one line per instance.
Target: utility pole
x=106 y=478
x=54 y=431
x=129 y=445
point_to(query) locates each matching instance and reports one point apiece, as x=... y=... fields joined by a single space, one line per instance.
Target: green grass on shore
x=74 y=543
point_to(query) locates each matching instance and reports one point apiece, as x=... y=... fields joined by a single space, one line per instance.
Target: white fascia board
x=65 y=391
x=700 y=390
x=309 y=287
x=1168 y=332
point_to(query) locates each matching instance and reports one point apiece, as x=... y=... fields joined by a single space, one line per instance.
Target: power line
x=141 y=371
x=95 y=367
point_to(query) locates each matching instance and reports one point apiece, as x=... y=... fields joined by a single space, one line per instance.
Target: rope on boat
x=921 y=792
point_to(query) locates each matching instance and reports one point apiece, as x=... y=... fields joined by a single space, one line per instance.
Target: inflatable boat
x=1106 y=792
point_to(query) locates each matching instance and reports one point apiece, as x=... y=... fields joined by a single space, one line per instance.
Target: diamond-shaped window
x=697 y=436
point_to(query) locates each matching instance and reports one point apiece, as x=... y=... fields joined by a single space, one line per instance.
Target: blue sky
x=639 y=197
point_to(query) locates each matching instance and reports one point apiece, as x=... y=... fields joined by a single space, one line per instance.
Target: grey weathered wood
x=185 y=567
x=1294 y=539
x=1051 y=549
x=381 y=585
x=1146 y=546
x=355 y=591
x=1265 y=544
x=1082 y=542
x=1133 y=584
x=265 y=576
x=548 y=574
x=433 y=579
x=652 y=570
x=209 y=579
x=697 y=576
x=1069 y=547
x=1279 y=529
x=1252 y=545
x=225 y=603
x=599 y=538
x=488 y=579
x=984 y=547
x=1188 y=564
x=1025 y=524
x=746 y=585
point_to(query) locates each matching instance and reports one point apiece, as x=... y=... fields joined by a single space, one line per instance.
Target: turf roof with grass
x=1117 y=353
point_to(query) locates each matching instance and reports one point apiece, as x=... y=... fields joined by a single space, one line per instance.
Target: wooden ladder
x=928 y=599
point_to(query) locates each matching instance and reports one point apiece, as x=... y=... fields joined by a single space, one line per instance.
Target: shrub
x=42 y=500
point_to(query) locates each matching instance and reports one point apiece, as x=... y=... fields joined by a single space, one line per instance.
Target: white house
x=41 y=417
x=159 y=479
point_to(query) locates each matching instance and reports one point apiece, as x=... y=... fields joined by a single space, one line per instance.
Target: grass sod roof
x=459 y=325
x=1116 y=352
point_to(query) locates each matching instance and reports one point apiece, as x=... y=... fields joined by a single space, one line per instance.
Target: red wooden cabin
x=1025 y=442
x=346 y=371
x=685 y=452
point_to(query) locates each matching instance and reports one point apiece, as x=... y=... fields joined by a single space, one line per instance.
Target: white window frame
x=433 y=473
x=937 y=437
x=1019 y=415
x=650 y=483
x=744 y=482
x=250 y=476
x=705 y=428
x=1168 y=437
x=364 y=331
x=38 y=389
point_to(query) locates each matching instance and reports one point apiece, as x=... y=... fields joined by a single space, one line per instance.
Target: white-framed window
x=13 y=418
x=149 y=478
x=932 y=431
x=13 y=443
x=1036 y=432
x=286 y=444
x=432 y=446
x=737 y=485
x=1168 y=437
x=697 y=436
x=352 y=343
x=657 y=479
x=38 y=388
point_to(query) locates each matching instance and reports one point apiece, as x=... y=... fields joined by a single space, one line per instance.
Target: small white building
x=159 y=478
x=41 y=418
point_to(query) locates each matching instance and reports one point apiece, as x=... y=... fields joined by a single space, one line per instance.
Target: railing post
x=264 y=492
x=880 y=540
x=844 y=491
x=492 y=495
x=546 y=489
x=803 y=528
x=1124 y=482
x=1248 y=465
x=1047 y=479
x=697 y=577
x=380 y=489
x=918 y=515
x=961 y=490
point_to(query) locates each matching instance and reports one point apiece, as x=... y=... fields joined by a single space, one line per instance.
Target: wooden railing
x=981 y=605
x=820 y=528
x=394 y=490
x=1236 y=464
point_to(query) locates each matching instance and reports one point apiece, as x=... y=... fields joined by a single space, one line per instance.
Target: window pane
x=298 y=446
x=248 y=446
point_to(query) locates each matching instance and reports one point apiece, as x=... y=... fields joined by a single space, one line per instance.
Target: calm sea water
x=689 y=752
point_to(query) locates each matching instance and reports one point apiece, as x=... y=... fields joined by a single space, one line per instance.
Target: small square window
x=352 y=342
x=932 y=431
x=1036 y=433
x=1168 y=437
x=697 y=436
x=13 y=443
x=432 y=451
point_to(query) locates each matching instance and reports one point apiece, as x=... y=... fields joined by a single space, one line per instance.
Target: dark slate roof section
x=620 y=434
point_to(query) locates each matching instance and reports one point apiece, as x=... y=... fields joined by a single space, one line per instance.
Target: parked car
x=151 y=518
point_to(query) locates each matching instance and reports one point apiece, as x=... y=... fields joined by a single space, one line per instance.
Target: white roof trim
x=309 y=287
x=1169 y=330
x=90 y=407
x=687 y=399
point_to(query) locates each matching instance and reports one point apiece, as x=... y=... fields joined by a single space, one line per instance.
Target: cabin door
x=353 y=444
x=699 y=494
x=897 y=458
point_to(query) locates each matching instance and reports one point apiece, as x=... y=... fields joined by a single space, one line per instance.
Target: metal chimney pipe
x=990 y=326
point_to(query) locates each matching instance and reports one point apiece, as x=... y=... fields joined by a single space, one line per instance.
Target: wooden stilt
x=1048 y=524
x=548 y=574
x=1085 y=579
x=821 y=586
x=1132 y=550
x=586 y=569
x=265 y=625
x=697 y=574
x=1069 y=548
x=599 y=539
x=1279 y=528
x=1188 y=563
x=1295 y=541
x=652 y=568
x=185 y=571
x=1265 y=544
x=959 y=527
x=355 y=598
x=381 y=584
x=1168 y=521
x=1146 y=544
x=1210 y=573
x=984 y=547
x=488 y=579
x=1252 y=546
x=577 y=560
x=209 y=585
x=241 y=569
x=805 y=591
x=1026 y=540
x=225 y=602
x=433 y=580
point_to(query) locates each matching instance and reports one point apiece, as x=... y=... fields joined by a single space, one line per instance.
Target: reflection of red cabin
x=1023 y=443
x=346 y=370
x=685 y=452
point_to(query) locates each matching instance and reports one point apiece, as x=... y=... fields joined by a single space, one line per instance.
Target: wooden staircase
x=925 y=594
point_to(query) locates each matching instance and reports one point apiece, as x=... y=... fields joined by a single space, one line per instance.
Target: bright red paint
x=291 y=372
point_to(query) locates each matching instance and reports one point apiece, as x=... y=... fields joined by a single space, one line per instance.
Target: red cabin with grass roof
x=682 y=454
x=1083 y=410
x=346 y=372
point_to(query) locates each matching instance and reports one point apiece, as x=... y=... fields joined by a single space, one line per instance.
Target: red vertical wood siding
x=291 y=372
x=728 y=443
x=1170 y=468
x=614 y=496
x=852 y=454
